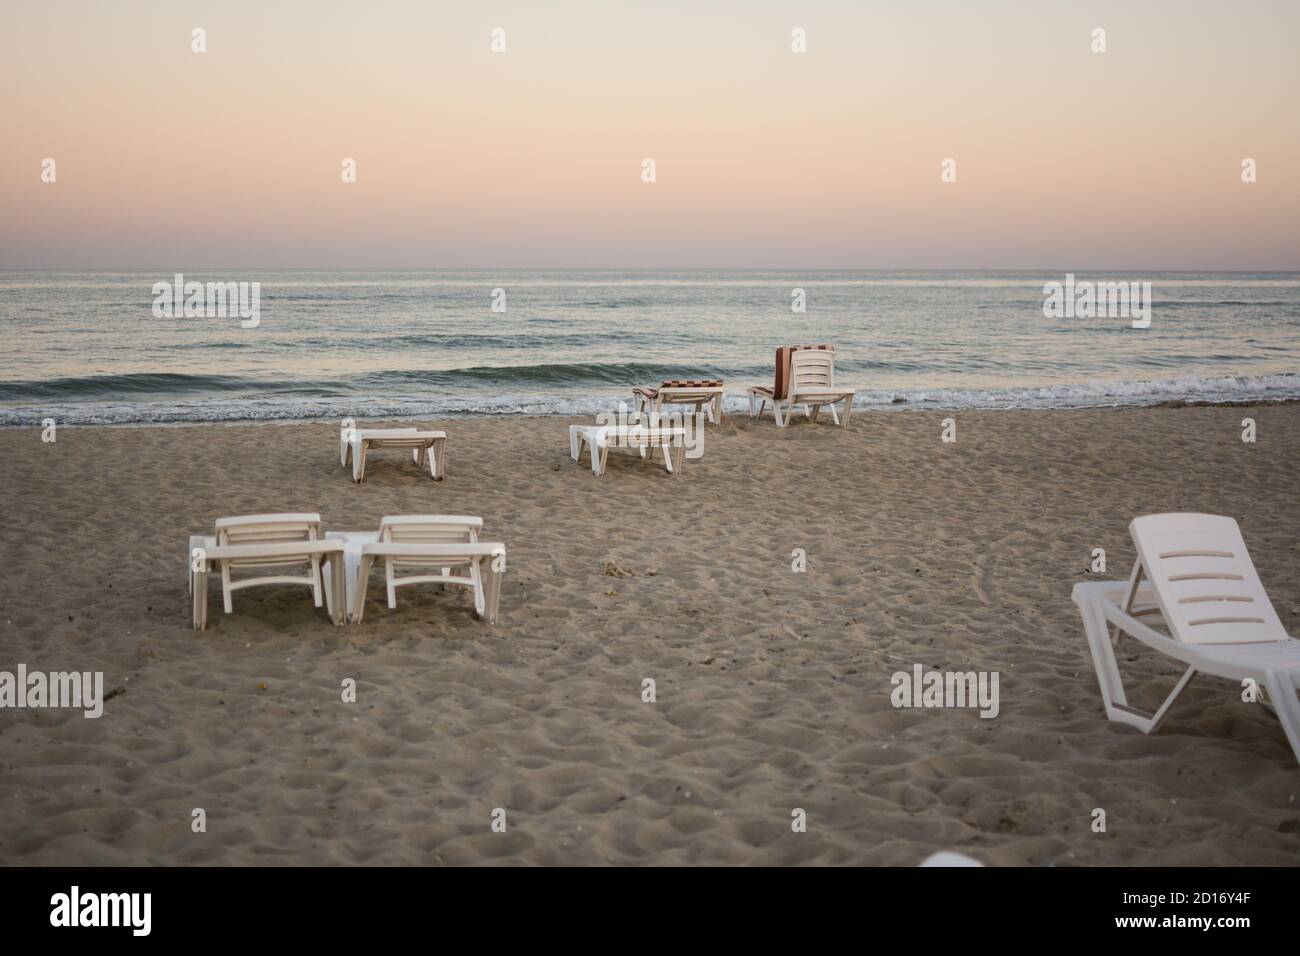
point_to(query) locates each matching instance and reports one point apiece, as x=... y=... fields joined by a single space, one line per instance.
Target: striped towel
x=680 y=383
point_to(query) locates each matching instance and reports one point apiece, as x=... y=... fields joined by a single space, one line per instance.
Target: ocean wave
x=177 y=410
x=387 y=381
x=104 y=386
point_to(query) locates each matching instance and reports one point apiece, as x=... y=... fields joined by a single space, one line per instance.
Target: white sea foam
x=1084 y=395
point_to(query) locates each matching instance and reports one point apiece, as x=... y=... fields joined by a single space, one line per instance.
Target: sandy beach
x=773 y=687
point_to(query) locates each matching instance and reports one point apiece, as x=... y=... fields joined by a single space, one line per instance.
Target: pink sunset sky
x=1065 y=158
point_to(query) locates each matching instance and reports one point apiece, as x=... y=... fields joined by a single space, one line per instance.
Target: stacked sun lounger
x=705 y=393
x=805 y=377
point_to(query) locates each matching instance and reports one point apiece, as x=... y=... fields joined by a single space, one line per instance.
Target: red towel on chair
x=783 y=367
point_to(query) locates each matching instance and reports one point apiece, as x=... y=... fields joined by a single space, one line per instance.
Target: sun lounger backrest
x=1204 y=581
x=267 y=529
x=430 y=529
x=781 y=388
x=811 y=369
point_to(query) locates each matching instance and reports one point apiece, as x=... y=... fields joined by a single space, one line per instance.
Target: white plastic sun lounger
x=354 y=443
x=810 y=384
x=645 y=438
x=1194 y=577
x=705 y=394
x=264 y=543
x=431 y=543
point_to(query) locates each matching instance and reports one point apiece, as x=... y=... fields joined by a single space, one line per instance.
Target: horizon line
x=937 y=269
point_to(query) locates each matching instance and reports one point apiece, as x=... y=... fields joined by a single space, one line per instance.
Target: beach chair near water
x=425 y=446
x=644 y=437
x=1193 y=578
x=805 y=377
x=703 y=394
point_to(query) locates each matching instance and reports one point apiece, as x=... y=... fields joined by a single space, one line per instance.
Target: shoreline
x=739 y=412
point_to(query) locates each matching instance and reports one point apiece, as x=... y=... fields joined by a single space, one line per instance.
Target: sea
x=93 y=348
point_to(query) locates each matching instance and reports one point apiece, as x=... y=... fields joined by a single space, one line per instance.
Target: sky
x=831 y=158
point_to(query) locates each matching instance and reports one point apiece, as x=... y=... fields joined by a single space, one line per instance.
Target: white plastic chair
x=426 y=543
x=271 y=529
x=1194 y=577
x=811 y=385
x=266 y=543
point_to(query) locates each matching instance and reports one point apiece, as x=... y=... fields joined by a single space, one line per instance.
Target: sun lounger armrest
x=305 y=517
x=395 y=521
x=1098 y=594
x=398 y=434
x=483 y=549
x=277 y=549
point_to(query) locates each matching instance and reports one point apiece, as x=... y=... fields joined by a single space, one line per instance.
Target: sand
x=772 y=687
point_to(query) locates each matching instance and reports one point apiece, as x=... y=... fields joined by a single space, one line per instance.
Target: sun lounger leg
x=776 y=410
x=315 y=581
x=198 y=596
x=480 y=599
x=1158 y=717
x=338 y=588
x=848 y=407
x=1130 y=596
x=1103 y=658
x=1108 y=676
x=492 y=590
x=225 y=587
x=391 y=581
x=1286 y=704
x=325 y=582
x=201 y=586
x=436 y=459
x=359 y=597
